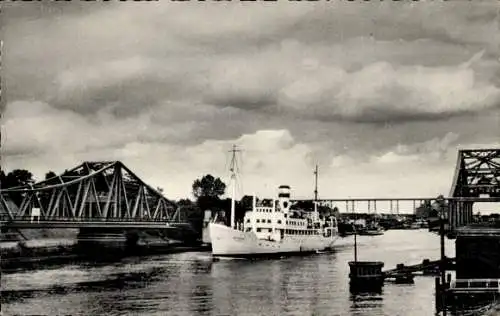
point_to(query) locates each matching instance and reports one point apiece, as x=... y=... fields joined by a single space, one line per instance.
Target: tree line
x=19 y=177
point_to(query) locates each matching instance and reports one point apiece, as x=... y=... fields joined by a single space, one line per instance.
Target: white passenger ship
x=274 y=230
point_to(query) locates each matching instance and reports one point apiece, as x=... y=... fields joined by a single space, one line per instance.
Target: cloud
x=354 y=87
x=378 y=92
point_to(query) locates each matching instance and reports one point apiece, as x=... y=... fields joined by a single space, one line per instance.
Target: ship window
x=248 y=220
x=258 y=230
x=248 y=229
x=270 y=230
x=286 y=215
x=269 y=221
x=279 y=221
x=258 y=221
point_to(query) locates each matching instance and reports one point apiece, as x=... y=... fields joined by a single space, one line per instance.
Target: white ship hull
x=235 y=243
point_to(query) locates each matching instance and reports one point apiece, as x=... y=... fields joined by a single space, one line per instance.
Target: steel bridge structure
x=477 y=175
x=92 y=195
x=389 y=206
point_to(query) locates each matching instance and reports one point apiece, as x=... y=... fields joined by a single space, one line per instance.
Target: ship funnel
x=284 y=197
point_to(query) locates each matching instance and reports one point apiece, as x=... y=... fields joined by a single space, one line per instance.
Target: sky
x=381 y=95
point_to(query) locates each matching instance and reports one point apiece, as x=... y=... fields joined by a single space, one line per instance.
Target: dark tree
x=50 y=174
x=193 y=215
x=15 y=178
x=246 y=203
x=3 y=178
x=303 y=205
x=185 y=202
x=208 y=186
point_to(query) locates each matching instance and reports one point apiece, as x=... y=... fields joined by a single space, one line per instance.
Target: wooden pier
x=427 y=267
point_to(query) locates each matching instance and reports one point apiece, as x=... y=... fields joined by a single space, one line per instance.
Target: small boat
x=419 y=224
x=415 y=225
x=371 y=232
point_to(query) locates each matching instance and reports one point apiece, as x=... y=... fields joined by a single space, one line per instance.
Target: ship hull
x=228 y=242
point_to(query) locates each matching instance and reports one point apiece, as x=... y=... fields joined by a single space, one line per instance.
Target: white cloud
x=386 y=98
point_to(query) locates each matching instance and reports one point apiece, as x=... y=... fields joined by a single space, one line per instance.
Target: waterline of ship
x=275 y=230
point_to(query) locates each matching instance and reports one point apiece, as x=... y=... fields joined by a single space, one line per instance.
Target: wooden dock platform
x=426 y=267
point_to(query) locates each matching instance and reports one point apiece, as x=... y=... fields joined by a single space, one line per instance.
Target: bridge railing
x=476 y=284
x=34 y=219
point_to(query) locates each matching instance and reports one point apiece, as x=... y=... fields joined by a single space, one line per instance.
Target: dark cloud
x=310 y=82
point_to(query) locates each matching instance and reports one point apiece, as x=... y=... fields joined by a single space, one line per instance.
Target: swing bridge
x=91 y=195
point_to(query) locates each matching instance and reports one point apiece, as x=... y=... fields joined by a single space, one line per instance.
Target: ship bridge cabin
x=276 y=221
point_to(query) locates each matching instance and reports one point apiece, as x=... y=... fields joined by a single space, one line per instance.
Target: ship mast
x=316 y=192
x=232 y=168
x=316 y=183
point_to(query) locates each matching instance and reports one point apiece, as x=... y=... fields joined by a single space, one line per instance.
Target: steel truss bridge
x=476 y=179
x=91 y=195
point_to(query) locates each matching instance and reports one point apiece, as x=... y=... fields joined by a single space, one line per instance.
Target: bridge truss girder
x=477 y=173
x=102 y=191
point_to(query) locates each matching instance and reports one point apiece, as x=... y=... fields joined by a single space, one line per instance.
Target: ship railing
x=476 y=284
x=264 y=209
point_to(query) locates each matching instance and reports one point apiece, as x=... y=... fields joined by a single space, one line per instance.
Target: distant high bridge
x=400 y=205
x=476 y=179
x=92 y=195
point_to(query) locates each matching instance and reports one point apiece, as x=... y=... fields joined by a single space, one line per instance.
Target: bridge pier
x=459 y=214
x=99 y=242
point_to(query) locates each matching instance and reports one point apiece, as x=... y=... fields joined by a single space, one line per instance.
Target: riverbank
x=17 y=256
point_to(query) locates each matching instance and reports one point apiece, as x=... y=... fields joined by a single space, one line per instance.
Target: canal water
x=192 y=284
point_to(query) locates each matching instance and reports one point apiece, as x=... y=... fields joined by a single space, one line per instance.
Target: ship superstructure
x=275 y=228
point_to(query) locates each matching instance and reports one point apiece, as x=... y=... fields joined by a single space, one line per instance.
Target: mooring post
x=442 y=265
x=355 y=244
x=437 y=296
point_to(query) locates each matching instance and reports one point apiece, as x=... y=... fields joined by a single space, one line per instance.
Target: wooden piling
x=437 y=295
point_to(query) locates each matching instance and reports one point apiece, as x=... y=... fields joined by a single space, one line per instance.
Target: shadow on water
x=117 y=281
x=363 y=301
x=193 y=284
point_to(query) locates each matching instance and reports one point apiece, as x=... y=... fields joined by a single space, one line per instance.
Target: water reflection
x=191 y=284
